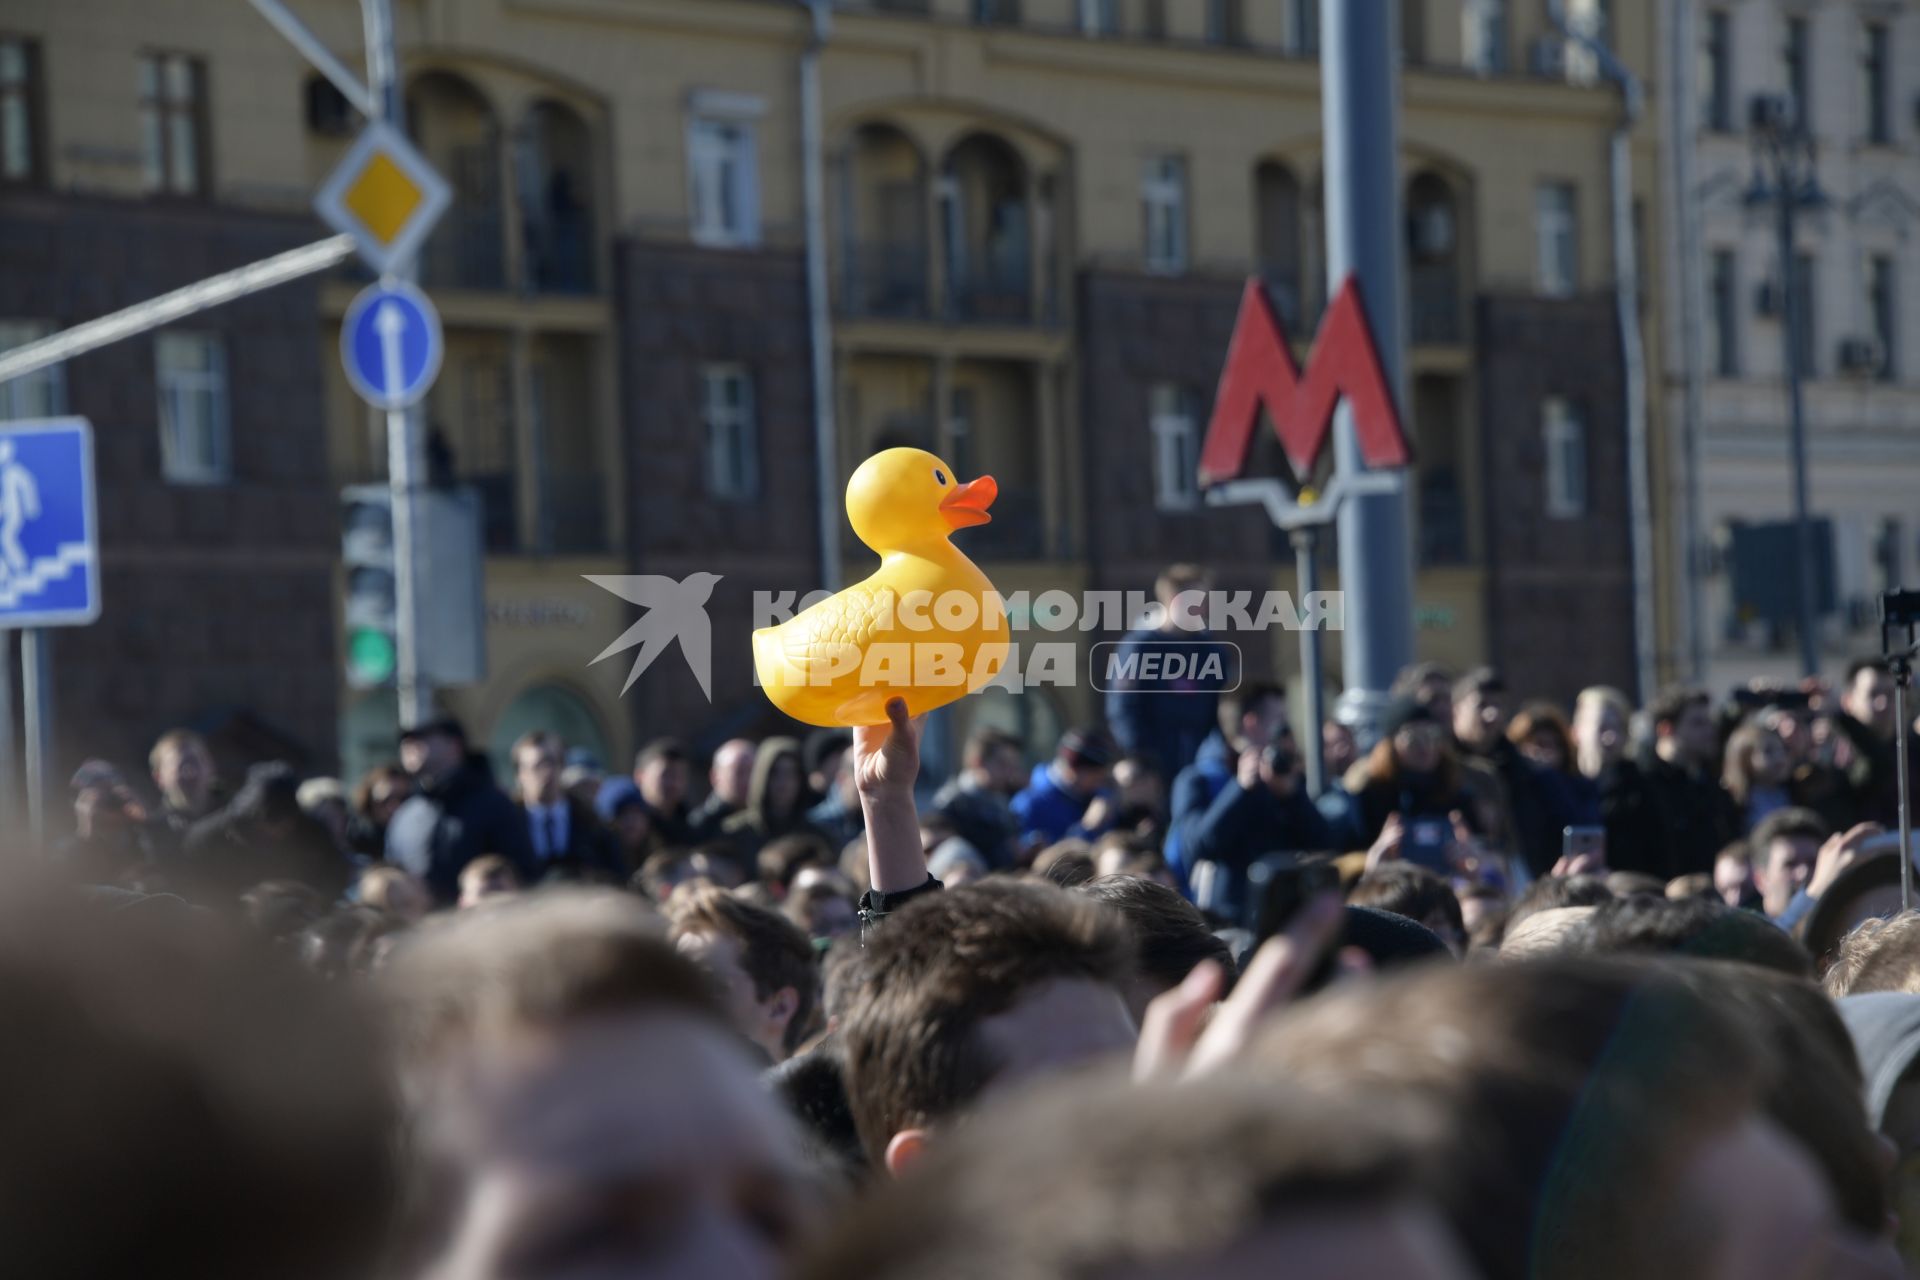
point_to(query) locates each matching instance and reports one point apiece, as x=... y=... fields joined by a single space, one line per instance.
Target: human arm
x=886 y=764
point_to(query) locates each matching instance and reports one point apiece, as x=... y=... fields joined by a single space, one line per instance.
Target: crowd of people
x=1579 y=991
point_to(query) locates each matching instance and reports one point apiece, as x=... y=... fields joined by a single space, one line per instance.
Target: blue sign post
x=391 y=345
x=49 y=566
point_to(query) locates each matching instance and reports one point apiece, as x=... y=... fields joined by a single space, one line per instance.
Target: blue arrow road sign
x=49 y=538
x=391 y=345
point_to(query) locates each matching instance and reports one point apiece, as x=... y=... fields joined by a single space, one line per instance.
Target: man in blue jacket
x=1165 y=717
x=1250 y=719
x=1060 y=798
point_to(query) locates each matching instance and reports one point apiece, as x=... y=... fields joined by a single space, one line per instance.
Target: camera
x=1279 y=758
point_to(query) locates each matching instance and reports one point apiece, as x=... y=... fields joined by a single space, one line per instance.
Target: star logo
x=674 y=611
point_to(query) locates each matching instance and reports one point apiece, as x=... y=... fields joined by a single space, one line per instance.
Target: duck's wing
x=843 y=624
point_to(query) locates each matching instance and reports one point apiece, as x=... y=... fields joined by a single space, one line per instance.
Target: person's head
x=1412 y=739
x=1756 y=758
x=825 y=754
x=1879 y=955
x=1885 y=1028
x=1600 y=1120
x=629 y=817
x=1170 y=936
x=1868 y=696
x=779 y=782
x=994 y=760
x=1242 y=1178
x=1733 y=874
x=325 y=801
x=781 y=859
x=1068 y=863
x=1431 y=685
x=1479 y=708
x=1338 y=747
x=537 y=758
x=1138 y=785
x=970 y=990
x=582 y=1104
x=486 y=879
x=660 y=771
x=1086 y=757
x=1254 y=715
x=954 y=862
x=1683 y=732
x=1600 y=717
x=762 y=961
x=1644 y=926
x=732 y=771
x=1416 y=893
x=181 y=1099
x=434 y=749
x=182 y=769
x=382 y=789
x=1550 y=893
x=1867 y=890
x=1182 y=593
x=281 y=910
x=1783 y=848
x=399 y=893
x=1542 y=735
x=821 y=904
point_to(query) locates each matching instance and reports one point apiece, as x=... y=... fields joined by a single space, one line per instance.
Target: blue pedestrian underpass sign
x=49 y=536
x=391 y=345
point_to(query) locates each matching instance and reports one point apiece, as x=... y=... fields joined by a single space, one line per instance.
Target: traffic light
x=366 y=524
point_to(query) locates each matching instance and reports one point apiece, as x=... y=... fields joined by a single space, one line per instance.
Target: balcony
x=990 y=292
x=885 y=282
x=1435 y=299
x=575 y=513
x=466 y=251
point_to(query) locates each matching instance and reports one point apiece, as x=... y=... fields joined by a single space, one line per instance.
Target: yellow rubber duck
x=927 y=627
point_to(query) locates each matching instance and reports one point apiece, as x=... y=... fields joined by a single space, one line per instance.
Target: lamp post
x=1783 y=176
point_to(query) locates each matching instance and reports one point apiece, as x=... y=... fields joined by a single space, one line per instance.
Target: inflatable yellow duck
x=927 y=627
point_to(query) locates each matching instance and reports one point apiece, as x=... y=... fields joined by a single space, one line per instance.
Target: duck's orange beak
x=967 y=504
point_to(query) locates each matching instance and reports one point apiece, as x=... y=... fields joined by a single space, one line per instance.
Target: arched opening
x=883 y=225
x=551 y=707
x=987 y=224
x=1313 y=286
x=554 y=179
x=1433 y=258
x=1277 y=238
x=457 y=130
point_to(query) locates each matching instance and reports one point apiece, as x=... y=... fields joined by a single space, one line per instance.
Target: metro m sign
x=1260 y=372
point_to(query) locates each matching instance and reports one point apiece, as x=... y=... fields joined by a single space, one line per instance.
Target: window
x=191 y=372
x=1306 y=28
x=1557 y=235
x=1100 y=17
x=19 y=110
x=37 y=395
x=1156 y=25
x=1163 y=201
x=1483 y=35
x=733 y=446
x=1002 y=12
x=1716 y=73
x=1175 y=420
x=1224 y=22
x=173 y=116
x=1566 y=441
x=1882 y=299
x=1723 y=287
x=1795 y=55
x=1877 y=117
x=722 y=168
x=1801 y=315
x=1592 y=19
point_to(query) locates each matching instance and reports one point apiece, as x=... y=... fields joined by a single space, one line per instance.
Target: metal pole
x=9 y=758
x=1365 y=237
x=1683 y=129
x=1306 y=543
x=1787 y=191
x=39 y=727
x=1633 y=359
x=1903 y=671
x=819 y=319
x=406 y=460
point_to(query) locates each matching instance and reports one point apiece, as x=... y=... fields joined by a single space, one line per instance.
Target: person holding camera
x=1263 y=809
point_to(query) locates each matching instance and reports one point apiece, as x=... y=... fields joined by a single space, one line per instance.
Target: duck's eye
x=939 y=476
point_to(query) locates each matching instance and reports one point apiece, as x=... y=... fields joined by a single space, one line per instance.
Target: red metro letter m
x=1260 y=371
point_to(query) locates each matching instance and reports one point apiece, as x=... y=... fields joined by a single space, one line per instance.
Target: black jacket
x=1663 y=820
x=454 y=820
x=1539 y=812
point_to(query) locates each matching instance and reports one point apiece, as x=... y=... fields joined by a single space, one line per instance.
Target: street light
x=1784 y=177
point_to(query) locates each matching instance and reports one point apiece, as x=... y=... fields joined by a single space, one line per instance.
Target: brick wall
x=1560 y=599
x=218 y=599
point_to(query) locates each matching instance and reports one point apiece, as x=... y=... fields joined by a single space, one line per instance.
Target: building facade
x=1038 y=220
x=1849 y=74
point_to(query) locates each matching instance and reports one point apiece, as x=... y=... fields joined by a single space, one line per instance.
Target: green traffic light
x=371 y=658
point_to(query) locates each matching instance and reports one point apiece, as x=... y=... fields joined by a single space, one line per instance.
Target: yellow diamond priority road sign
x=385 y=195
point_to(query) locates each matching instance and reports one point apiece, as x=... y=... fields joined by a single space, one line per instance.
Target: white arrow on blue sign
x=391 y=345
x=49 y=537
